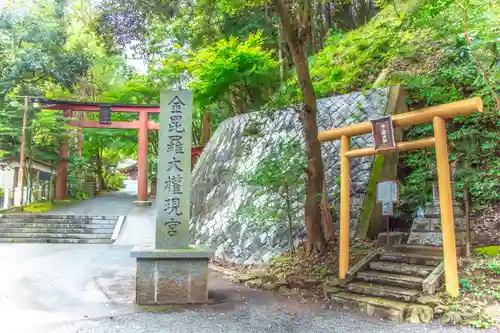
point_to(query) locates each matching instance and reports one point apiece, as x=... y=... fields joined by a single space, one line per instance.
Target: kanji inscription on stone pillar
x=174 y=171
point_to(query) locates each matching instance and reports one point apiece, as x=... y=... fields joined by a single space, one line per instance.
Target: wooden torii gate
x=143 y=125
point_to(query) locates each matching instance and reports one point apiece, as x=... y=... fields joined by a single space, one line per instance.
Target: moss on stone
x=490 y=251
x=370 y=198
x=157 y=308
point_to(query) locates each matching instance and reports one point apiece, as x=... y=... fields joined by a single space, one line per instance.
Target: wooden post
x=446 y=206
x=206 y=127
x=62 y=167
x=79 y=147
x=22 y=155
x=345 y=179
x=142 y=176
x=467 y=221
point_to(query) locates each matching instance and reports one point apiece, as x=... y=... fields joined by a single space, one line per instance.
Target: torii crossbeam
x=143 y=125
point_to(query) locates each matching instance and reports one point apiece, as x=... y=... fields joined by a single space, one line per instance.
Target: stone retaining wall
x=217 y=196
x=486 y=225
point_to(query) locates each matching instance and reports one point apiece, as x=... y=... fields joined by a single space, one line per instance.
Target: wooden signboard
x=383 y=133
x=105 y=114
x=387 y=191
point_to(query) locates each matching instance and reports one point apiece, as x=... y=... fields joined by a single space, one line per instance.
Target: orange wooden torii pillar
x=437 y=115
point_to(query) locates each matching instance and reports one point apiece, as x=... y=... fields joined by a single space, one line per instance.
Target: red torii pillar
x=143 y=125
x=62 y=166
x=142 y=162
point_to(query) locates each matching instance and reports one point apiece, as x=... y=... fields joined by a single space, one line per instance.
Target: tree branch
x=288 y=28
x=303 y=29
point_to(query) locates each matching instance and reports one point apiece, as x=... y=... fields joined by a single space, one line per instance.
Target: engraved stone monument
x=172 y=272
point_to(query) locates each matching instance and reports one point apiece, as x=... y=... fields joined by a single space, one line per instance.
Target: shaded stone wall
x=486 y=226
x=216 y=196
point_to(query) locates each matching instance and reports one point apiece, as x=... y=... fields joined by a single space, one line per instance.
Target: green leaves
x=236 y=74
x=35 y=50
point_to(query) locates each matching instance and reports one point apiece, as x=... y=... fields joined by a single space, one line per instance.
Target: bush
x=115 y=181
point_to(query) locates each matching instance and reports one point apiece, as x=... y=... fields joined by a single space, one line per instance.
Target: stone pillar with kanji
x=171 y=271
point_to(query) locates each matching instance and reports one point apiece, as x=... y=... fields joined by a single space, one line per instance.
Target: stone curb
x=118 y=227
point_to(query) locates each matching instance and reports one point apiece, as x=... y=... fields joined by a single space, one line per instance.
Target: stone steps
x=56 y=240
x=47 y=235
x=22 y=216
x=381 y=308
x=58 y=220
x=388 y=284
x=391 y=279
x=50 y=228
x=88 y=226
x=70 y=230
x=401 y=268
x=412 y=258
x=390 y=292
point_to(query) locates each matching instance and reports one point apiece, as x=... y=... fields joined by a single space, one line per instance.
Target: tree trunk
x=315 y=168
x=100 y=176
x=327 y=215
x=328 y=16
x=289 y=216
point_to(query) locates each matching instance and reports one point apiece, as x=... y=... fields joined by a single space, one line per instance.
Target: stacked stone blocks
x=427 y=230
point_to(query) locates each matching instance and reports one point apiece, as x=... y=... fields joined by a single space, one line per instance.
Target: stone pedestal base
x=143 y=203
x=171 y=276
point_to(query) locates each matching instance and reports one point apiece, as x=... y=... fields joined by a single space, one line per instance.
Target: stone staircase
x=45 y=228
x=390 y=283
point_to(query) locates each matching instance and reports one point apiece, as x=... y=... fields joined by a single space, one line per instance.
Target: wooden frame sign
x=388 y=191
x=383 y=133
x=105 y=114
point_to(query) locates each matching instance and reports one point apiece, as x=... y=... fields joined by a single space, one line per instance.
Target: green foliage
x=423 y=47
x=490 y=251
x=477 y=279
x=115 y=180
x=34 y=47
x=278 y=182
x=45 y=206
x=39 y=207
x=235 y=75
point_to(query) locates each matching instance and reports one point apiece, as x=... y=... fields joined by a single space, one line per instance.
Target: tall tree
x=295 y=29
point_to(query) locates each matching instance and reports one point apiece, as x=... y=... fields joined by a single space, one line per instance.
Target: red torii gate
x=143 y=125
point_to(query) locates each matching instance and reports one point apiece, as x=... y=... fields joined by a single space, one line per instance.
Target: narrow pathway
x=110 y=204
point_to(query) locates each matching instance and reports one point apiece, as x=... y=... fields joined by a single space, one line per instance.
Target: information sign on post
x=387 y=208
x=387 y=194
x=383 y=133
x=387 y=191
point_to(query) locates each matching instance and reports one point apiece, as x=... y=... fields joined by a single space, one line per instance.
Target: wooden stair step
x=424 y=249
x=391 y=279
x=412 y=258
x=372 y=306
x=401 y=268
x=377 y=290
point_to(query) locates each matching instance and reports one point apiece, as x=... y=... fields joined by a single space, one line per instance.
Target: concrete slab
x=148 y=251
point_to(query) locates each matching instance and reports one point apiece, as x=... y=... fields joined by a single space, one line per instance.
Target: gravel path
x=66 y=288
x=257 y=316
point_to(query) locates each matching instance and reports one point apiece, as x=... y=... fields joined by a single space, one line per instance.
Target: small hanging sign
x=105 y=114
x=387 y=208
x=383 y=133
